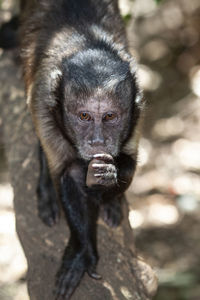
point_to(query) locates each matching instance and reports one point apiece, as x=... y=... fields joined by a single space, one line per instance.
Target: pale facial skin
x=96 y=126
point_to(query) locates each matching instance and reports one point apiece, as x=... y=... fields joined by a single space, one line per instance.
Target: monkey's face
x=99 y=93
x=96 y=126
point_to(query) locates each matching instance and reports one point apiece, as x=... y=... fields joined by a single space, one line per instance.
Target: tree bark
x=124 y=275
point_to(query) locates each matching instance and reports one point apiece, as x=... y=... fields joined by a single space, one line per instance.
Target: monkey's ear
x=129 y=89
x=124 y=88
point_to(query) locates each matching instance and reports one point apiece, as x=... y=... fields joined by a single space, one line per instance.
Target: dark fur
x=75 y=55
x=8 y=33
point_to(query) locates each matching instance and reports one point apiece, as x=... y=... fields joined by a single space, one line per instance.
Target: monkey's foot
x=48 y=210
x=71 y=272
x=112 y=213
x=49 y=215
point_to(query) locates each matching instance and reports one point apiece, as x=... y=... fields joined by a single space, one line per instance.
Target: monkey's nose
x=97 y=141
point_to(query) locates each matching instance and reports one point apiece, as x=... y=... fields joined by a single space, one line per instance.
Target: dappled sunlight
x=136 y=218
x=188 y=203
x=165 y=214
x=187 y=183
x=149 y=80
x=159 y=211
x=155 y=50
x=6 y=196
x=195 y=80
x=150 y=180
x=143 y=7
x=168 y=127
x=13 y=264
x=188 y=153
x=164 y=196
x=145 y=149
x=172 y=16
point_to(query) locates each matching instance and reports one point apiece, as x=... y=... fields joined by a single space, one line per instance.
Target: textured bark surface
x=124 y=276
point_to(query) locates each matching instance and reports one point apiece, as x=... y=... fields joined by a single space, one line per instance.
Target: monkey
x=86 y=106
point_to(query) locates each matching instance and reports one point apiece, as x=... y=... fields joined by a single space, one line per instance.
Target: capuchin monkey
x=86 y=106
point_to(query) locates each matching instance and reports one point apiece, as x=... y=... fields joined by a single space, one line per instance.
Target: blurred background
x=164 y=197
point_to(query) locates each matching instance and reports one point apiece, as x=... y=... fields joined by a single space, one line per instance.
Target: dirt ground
x=164 y=197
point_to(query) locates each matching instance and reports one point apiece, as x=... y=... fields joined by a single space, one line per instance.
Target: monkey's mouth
x=88 y=154
x=96 y=152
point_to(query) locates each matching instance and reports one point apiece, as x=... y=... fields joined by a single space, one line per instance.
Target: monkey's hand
x=101 y=171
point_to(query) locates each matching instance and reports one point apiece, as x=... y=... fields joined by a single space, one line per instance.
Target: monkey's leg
x=47 y=205
x=111 y=211
x=81 y=253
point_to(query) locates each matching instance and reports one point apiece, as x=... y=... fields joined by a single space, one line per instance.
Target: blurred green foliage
x=181 y=286
x=127 y=18
x=157 y=1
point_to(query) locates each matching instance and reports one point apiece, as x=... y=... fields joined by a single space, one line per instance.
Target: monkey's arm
x=112 y=199
x=126 y=166
x=46 y=194
x=46 y=115
x=81 y=253
x=112 y=178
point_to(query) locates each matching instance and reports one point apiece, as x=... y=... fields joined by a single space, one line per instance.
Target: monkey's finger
x=103 y=156
x=105 y=167
x=92 y=273
x=66 y=286
x=106 y=175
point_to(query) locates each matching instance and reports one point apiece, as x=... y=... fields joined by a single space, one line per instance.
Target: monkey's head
x=99 y=102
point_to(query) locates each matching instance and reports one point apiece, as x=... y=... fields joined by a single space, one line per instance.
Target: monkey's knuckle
x=103 y=156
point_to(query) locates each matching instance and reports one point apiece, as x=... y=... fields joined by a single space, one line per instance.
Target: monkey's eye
x=110 y=117
x=83 y=116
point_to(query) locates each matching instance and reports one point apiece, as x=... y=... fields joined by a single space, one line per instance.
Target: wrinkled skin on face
x=97 y=126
